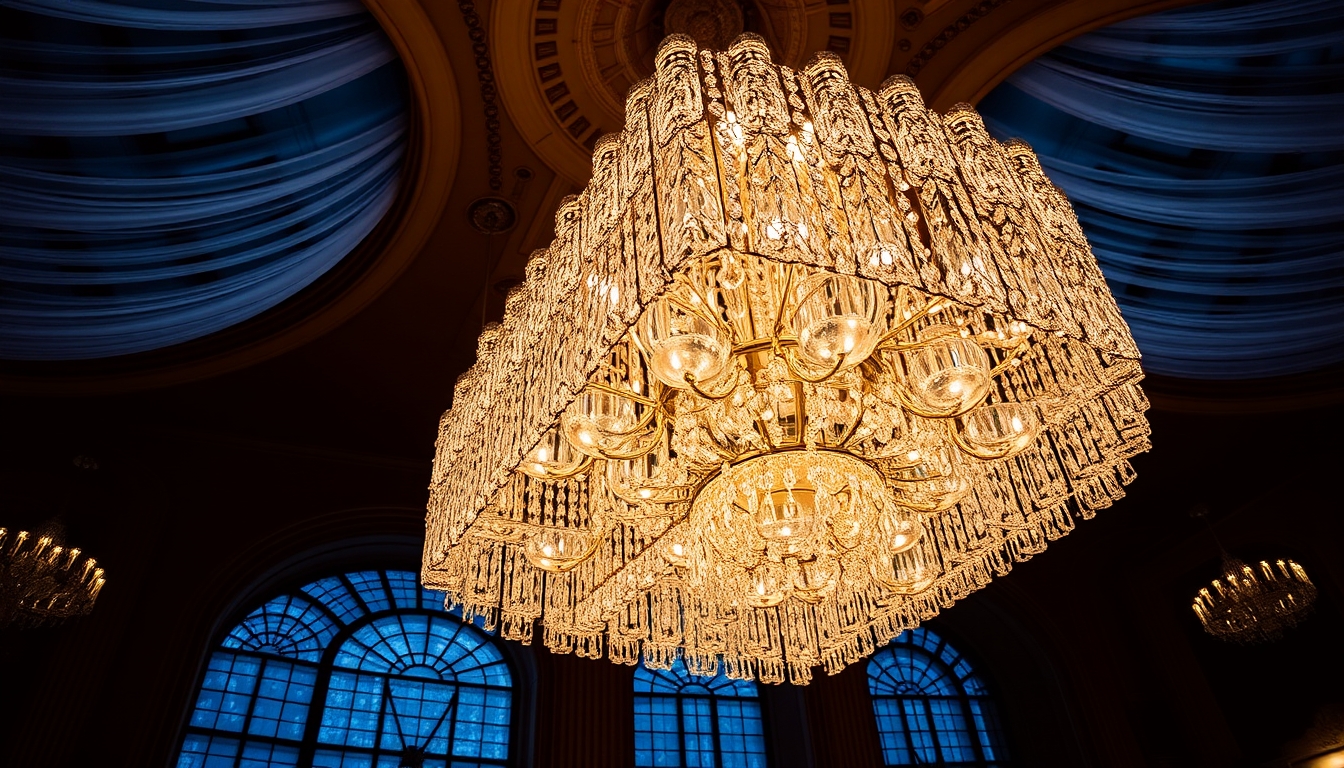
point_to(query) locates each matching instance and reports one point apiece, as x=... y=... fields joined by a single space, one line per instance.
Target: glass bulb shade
x=598 y=421
x=765 y=590
x=901 y=530
x=838 y=315
x=645 y=478
x=676 y=554
x=558 y=550
x=786 y=515
x=552 y=458
x=909 y=571
x=1000 y=430
x=813 y=581
x=678 y=342
x=946 y=376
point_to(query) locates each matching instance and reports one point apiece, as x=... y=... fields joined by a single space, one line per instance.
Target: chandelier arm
x=583 y=467
x=914 y=318
x=789 y=360
x=1011 y=360
x=627 y=394
x=703 y=314
x=783 y=303
x=695 y=387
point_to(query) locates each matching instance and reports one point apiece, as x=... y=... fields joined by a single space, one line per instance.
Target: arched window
x=692 y=720
x=931 y=707
x=361 y=670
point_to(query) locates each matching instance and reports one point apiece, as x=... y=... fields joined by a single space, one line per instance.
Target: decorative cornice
x=485 y=75
x=939 y=41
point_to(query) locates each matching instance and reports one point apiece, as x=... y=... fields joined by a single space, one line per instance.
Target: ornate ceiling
x=524 y=88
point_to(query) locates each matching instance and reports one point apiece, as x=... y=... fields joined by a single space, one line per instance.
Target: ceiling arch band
x=1203 y=148
x=237 y=154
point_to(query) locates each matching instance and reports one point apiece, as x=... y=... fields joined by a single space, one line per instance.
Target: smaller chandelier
x=42 y=581
x=1255 y=604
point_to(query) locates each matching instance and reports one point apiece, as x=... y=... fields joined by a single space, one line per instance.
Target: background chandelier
x=42 y=581
x=804 y=364
x=1252 y=604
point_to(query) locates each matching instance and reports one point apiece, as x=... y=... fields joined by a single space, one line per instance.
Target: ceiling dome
x=172 y=169
x=1203 y=148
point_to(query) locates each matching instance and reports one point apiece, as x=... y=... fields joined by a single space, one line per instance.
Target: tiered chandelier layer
x=804 y=364
x=1255 y=604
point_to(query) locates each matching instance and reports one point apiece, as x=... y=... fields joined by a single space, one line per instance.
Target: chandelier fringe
x=710 y=163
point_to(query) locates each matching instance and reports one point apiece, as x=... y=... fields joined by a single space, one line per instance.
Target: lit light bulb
x=1000 y=430
x=947 y=375
x=679 y=342
x=838 y=315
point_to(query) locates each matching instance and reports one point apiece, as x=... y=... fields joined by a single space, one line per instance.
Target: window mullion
x=714 y=729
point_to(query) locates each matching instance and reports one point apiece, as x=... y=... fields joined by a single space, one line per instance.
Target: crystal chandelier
x=804 y=364
x=1255 y=605
x=42 y=581
x=1252 y=605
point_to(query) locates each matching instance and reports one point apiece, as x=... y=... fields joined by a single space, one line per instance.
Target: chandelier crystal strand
x=804 y=365
x=1255 y=604
x=42 y=581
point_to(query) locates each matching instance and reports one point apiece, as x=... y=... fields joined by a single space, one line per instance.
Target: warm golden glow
x=805 y=364
x=43 y=582
x=1255 y=604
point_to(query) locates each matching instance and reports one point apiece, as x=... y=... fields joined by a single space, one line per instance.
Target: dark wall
x=1091 y=648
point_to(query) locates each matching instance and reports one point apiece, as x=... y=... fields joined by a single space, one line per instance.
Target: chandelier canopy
x=804 y=364
x=42 y=581
x=1255 y=604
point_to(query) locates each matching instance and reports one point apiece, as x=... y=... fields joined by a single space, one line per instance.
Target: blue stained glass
x=926 y=696
x=688 y=720
x=405 y=678
x=286 y=626
x=369 y=585
x=405 y=589
x=268 y=756
x=332 y=593
x=206 y=752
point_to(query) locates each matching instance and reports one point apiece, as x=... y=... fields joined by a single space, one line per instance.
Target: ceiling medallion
x=805 y=364
x=492 y=215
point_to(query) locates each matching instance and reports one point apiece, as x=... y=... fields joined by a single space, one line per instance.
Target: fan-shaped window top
x=931 y=707
x=683 y=719
x=1203 y=148
x=170 y=169
x=361 y=670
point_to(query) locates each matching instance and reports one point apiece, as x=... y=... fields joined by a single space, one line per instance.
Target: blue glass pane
x=657 y=732
x=207 y=752
x=226 y=693
x=954 y=738
x=697 y=733
x=741 y=735
x=268 y=756
x=987 y=728
x=919 y=730
x=286 y=626
x=337 y=597
x=412 y=680
x=282 y=703
x=369 y=585
x=405 y=589
x=350 y=717
x=891 y=730
x=918 y=684
x=482 y=724
x=425 y=646
x=679 y=680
